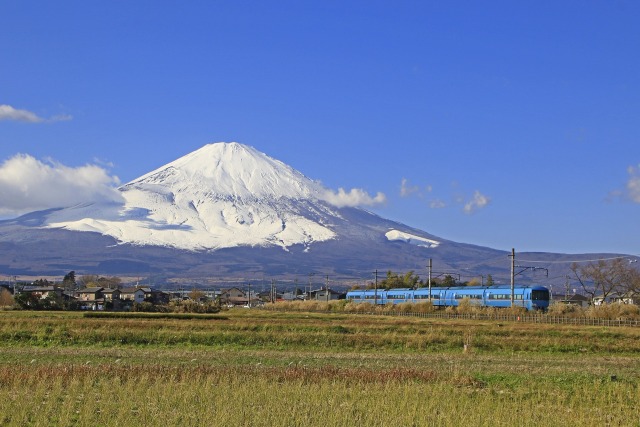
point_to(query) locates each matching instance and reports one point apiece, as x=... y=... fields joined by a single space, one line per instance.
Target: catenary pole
x=513 y=276
x=430 y=267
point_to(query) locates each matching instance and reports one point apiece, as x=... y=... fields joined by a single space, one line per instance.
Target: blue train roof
x=458 y=288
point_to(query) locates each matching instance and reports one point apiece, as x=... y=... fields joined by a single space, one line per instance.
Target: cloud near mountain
x=7 y=112
x=28 y=184
x=352 y=198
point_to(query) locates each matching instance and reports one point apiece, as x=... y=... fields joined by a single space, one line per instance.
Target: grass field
x=259 y=368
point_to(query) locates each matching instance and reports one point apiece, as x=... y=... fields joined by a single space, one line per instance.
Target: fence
x=536 y=318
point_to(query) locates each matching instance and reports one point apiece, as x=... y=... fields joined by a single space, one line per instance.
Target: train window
x=504 y=296
x=540 y=295
x=472 y=296
x=426 y=296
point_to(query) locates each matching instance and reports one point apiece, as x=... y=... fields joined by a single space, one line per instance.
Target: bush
x=566 y=310
x=465 y=306
x=613 y=311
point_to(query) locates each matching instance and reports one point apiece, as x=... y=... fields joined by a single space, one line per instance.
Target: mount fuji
x=228 y=210
x=220 y=196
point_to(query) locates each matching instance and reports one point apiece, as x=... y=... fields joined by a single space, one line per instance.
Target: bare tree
x=632 y=281
x=604 y=278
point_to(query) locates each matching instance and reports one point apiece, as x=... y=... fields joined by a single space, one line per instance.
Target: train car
x=532 y=297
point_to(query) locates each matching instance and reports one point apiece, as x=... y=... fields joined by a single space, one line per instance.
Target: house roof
x=90 y=290
x=38 y=288
x=132 y=290
x=231 y=289
x=576 y=297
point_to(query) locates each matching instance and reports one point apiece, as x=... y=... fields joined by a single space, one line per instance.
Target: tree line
x=411 y=280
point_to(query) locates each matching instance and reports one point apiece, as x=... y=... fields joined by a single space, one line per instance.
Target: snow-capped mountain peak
x=222 y=195
x=231 y=169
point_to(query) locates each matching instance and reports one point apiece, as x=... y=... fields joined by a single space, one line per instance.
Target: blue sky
x=499 y=123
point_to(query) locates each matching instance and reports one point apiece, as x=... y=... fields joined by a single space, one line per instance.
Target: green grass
x=258 y=368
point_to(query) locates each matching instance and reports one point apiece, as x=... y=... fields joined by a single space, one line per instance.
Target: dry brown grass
x=264 y=368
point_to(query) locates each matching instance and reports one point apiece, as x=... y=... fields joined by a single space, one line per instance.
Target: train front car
x=539 y=298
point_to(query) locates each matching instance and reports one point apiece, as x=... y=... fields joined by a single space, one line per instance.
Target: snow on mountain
x=222 y=195
x=394 y=235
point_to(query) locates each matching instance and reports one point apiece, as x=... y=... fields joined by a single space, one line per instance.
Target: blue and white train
x=530 y=297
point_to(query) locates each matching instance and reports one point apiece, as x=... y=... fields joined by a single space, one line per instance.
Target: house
x=326 y=295
x=133 y=294
x=616 y=297
x=292 y=296
x=111 y=294
x=42 y=292
x=90 y=298
x=90 y=294
x=233 y=296
x=576 y=299
x=626 y=298
x=158 y=297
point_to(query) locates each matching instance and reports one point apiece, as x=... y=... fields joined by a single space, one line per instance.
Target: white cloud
x=406 y=190
x=7 y=112
x=633 y=184
x=355 y=197
x=437 y=204
x=28 y=184
x=478 y=201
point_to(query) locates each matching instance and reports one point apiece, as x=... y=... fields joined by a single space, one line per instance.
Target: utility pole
x=249 y=295
x=375 y=289
x=273 y=291
x=430 y=268
x=566 y=288
x=326 y=288
x=513 y=274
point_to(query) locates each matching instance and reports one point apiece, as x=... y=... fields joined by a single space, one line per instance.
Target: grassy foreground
x=258 y=368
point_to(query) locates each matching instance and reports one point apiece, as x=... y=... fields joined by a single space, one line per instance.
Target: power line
x=577 y=261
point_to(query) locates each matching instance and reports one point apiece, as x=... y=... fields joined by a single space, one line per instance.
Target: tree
x=197 y=295
x=604 y=278
x=448 y=281
x=51 y=302
x=69 y=281
x=6 y=299
x=473 y=282
x=109 y=282
x=490 y=281
x=394 y=280
x=27 y=301
x=88 y=280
